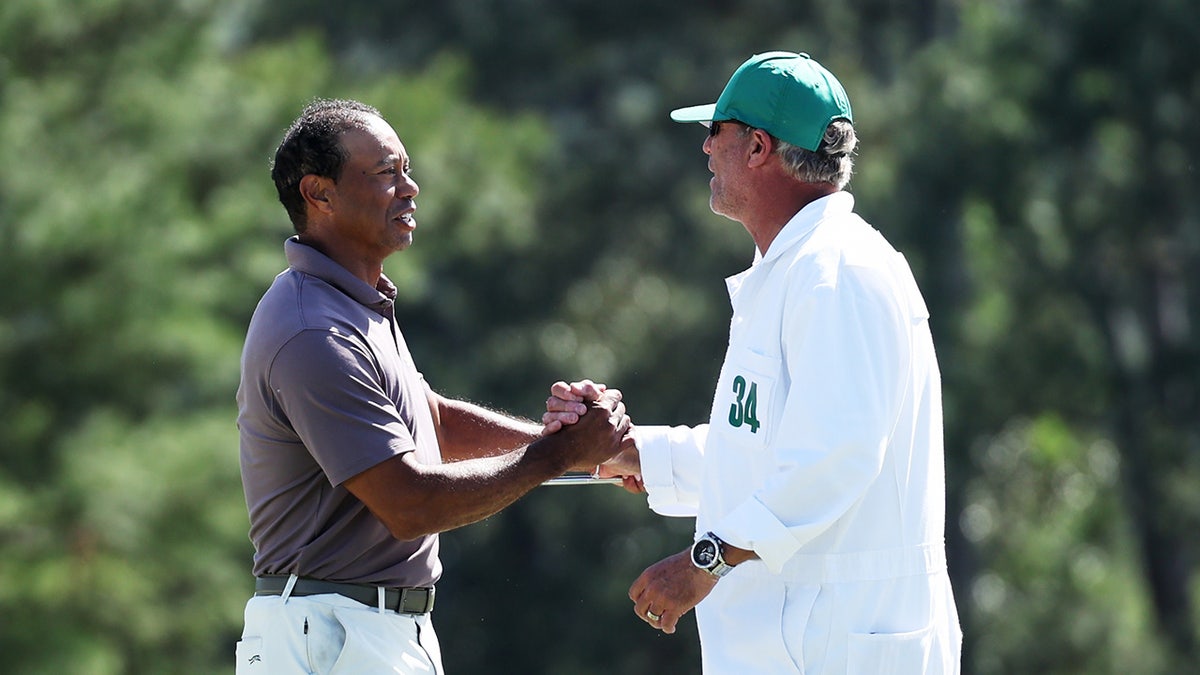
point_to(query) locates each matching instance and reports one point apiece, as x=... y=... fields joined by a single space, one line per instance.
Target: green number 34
x=745 y=409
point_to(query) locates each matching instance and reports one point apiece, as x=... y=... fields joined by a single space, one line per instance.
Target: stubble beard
x=400 y=238
x=720 y=203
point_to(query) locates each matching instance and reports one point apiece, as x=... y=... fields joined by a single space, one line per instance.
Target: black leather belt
x=418 y=600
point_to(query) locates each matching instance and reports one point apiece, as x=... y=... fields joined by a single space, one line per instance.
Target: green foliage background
x=1035 y=160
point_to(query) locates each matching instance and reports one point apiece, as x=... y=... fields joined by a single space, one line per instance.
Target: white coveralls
x=823 y=454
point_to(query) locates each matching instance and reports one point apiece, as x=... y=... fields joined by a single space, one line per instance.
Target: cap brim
x=696 y=113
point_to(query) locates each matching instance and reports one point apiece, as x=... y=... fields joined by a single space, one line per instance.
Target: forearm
x=469 y=431
x=460 y=493
x=412 y=498
x=736 y=556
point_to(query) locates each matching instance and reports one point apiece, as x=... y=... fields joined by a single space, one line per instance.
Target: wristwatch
x=706 y=554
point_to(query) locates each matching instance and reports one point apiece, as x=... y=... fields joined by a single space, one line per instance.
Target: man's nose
x=408 y=187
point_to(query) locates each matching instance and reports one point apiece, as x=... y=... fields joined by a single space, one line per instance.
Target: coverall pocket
x=796 y=621
x=755 y=625
x=743 y=407
x=895 y=653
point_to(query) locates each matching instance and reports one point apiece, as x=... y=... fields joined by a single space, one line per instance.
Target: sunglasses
x=714 y=127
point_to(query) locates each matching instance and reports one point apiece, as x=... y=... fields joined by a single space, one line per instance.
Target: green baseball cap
x=788 y=95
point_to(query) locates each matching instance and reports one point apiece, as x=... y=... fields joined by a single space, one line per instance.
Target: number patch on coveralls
x=744 y=409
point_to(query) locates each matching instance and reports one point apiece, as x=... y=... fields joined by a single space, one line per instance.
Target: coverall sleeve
x=672 y=461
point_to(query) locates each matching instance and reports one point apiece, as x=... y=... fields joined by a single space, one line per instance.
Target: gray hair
x=833 y=162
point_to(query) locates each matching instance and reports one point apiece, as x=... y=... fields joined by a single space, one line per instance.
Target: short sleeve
x=330 y=388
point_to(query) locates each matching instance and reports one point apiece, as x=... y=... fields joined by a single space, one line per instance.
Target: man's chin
x=716 y=208
x=402 y=242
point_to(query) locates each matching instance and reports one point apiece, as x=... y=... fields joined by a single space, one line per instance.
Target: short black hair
x=313 y=145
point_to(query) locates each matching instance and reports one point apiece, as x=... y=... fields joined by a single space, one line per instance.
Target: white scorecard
x=582 y=479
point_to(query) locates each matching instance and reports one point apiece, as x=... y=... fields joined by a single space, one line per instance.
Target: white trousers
x=334 y=635
x=760 y=623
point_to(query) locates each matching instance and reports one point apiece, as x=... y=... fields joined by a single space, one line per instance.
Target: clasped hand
x=567 y=403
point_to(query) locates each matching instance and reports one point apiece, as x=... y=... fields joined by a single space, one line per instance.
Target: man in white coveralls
x=818 y=485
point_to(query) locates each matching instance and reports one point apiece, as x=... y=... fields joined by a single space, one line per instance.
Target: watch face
x=704 y=553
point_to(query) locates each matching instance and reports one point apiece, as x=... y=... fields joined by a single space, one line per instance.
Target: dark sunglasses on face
x=714 y=127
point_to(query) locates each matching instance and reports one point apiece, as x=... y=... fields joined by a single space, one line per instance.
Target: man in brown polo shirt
x=351 y=463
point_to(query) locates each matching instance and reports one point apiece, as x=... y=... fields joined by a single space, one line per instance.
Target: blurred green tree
x=1053 y=152
x=138 y=227
x=1034 y=161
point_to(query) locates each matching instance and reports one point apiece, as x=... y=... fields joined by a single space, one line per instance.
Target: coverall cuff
x=752 y=526
x=658 y=477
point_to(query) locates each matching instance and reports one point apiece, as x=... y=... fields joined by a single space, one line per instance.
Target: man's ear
x=317 y=191
x=761 y=145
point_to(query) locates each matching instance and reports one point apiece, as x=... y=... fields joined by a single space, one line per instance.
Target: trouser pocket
x=918 y=651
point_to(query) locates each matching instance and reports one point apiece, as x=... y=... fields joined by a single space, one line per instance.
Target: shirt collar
x=805 y=221
x=308 y=260
x=794 y=233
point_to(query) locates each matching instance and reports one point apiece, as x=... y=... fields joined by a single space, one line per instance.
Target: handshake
x=592 y=422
